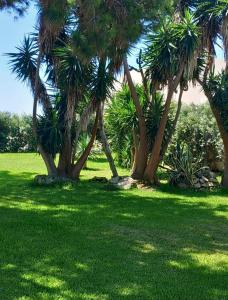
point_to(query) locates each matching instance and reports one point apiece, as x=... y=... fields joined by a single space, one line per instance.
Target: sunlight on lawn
x=84 y=241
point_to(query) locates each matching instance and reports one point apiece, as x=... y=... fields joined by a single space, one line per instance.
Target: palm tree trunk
x=152 y=166
x=225 y=174
x=83 y=122
x=80 y=163
x=141 y=162
x=171 y=133
x=135 y=151
x=47 y=158
x=154 y=160
x=65 y=158
x=105 y=144
x=222 y=131
x=224 y=136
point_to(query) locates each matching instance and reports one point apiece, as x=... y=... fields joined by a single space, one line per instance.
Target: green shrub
x=16 y=133
x=197 y=128
x=121 y=121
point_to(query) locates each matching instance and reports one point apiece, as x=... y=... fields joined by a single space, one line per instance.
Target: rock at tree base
x=114 y=180
x=182 y=185
x=197 y=186
x=99 y=179
x=123 y=183
x=204 y=179
x=51 y=180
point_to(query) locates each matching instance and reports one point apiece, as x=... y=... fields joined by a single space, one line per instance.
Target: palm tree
x=168 y=59
x=51 y=17
x=172 y=59
x=71 y=83
x=19 y=6
x=24 y=64
x=85 y=45
x=213 y=20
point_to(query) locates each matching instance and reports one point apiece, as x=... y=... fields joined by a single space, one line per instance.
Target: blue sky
x=15 y=96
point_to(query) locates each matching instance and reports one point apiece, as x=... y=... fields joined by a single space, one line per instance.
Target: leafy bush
x=197 y=128
x=16 y=133
x=122 y=123
x=218 y=86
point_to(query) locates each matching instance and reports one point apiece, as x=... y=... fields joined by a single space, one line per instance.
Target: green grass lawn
x=88 y=242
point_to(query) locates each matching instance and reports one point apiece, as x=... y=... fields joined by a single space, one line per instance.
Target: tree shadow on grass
x=166 y=188
x=84 y=242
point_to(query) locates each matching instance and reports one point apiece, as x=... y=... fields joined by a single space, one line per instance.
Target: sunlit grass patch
x=87 y=242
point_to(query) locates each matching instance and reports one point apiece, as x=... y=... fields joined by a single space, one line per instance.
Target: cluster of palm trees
x=80 y=47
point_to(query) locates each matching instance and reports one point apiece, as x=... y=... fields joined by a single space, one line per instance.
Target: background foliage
x=197 y=128
x=16 y=133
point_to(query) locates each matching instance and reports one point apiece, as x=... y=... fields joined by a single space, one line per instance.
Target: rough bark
x=154 y=160
x=105 y=144
x=81 y=162
x=172 y=131
x=141 y=162
x=135 y=151
x=47 y=158
x=65 y=157
x=222 y=131
x=83 y=122
x=225 y=175
x=152 y=166
x=224 y=136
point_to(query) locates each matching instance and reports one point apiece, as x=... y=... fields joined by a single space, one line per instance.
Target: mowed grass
x=88 y=242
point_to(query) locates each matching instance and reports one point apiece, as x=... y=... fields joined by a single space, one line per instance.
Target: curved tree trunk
x=83 y=122
x=48 y=159
x=154 y=160
x=105 y=144
x=135 y=151
x=81 y=162
x=225 y=175
x=172 y=131
x=65 y=157
x=224 y=136
x=152 y=166
x=141 y=162
x=223 y=132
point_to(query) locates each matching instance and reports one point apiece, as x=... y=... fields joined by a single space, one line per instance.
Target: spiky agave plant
x=183 y=165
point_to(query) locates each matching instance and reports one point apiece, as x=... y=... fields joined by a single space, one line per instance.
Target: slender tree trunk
x=80 y=163
x=105 y=144
x=141 y=162
x=47 y=158
x=154 y=160
x=145 y=85
x=136 y=150
x=223 y=132
x=225 y=175
x=83 y=122
x=152 y=166
x=224 y=136
x=172 y=131
x=65 y=158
